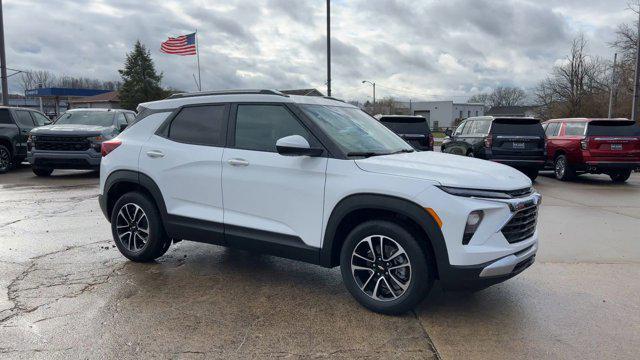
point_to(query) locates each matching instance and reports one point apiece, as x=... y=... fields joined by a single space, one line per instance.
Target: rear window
x=517 y=127
x=406 y=125
x=613 y=128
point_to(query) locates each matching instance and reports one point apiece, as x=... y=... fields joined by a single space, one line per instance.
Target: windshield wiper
x=402 y=151
x=365 y=153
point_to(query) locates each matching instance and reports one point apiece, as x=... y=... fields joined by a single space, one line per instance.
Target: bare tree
x=507 y=96
x=577 y=87
x=482 y=98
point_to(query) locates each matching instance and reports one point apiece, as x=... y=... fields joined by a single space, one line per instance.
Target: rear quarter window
x=517 y=127
x=5 y=117
x=574 y=129
x=613 y=128
x=407 y=125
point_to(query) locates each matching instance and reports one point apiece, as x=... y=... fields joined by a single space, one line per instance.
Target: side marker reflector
x=435 y=216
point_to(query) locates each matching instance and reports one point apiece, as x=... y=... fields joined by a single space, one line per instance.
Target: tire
x=42 y=172
x=470 y=153
x=410 y=287
x=139 y=247
x=621 y=176
x=562 y=169
x=531 y=173
x=6 y=159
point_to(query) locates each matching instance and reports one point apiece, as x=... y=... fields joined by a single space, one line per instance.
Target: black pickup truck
x=15 y=125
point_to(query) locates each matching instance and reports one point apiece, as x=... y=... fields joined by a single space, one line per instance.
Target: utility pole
x=374 y=92
x=636 y=87
x=328 y=47
x=613 y=82
x=3 y=63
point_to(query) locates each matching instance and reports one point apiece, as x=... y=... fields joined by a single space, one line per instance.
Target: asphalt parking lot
x=66 y=292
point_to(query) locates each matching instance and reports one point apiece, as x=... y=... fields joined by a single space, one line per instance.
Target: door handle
x=155 y=154
x=238 y=162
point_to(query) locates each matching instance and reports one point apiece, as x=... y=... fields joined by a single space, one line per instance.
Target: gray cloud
x=451 y=47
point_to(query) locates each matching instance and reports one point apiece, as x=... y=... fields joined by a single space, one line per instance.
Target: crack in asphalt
x=67 y=205
x=14 y=292
x=426 y=336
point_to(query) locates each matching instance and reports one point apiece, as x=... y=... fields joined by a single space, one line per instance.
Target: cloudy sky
x=441 y=49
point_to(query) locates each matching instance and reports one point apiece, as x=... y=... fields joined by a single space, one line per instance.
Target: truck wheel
x=385 y=268
x=43 y=172
x=5 y=159
x=563 y=170
x=620 y=176
x=137 y=228
x=470 y=153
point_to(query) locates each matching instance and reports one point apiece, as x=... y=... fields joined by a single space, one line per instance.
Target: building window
x=469 y=113
x=460 y=114
x=476 y=112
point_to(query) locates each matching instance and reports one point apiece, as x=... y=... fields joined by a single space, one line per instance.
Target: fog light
x=473 y=221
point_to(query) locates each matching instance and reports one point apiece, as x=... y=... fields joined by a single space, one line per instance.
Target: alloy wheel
x=132 y=227
x=5 y=159
x=381 y=268
x=561 y=167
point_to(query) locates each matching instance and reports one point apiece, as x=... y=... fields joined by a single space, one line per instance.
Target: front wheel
x=471 y=154
x=5 y=159
x=620 y=176
x=42 y=172
x=384 y=267
x=137 y=228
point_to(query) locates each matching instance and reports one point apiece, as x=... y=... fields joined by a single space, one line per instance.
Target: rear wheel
x=620 y=176
x=385 y=268
x=43 y=172
x=137 y=228
x=563 y=170
x=470 y=153
x=5 y=159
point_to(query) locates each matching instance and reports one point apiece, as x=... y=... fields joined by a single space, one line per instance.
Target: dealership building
x=445 y=114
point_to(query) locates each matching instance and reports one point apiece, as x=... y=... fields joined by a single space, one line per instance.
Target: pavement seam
x=426 y=335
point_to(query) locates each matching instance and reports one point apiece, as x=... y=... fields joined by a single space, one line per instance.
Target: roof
x=111 y=96
x=490 y=117
x=97 y=110
x=64 y=92
x=588 y=119
x=302 y=92
x=259 y=95
x=509 y=110
x=380 y=116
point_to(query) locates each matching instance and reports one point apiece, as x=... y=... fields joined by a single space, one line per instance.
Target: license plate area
x=616 y=146
x=518 y=145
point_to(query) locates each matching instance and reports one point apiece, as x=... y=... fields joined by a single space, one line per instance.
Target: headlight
x=490 y=194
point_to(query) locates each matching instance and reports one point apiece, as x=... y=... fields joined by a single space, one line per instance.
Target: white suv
x=317 y=180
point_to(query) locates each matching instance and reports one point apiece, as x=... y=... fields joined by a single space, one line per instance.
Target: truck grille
x=522 y=225
x=61 y=143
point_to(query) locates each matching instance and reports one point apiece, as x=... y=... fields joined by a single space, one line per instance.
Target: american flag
x=182 y=45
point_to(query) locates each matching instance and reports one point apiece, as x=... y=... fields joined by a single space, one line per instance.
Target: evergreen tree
x=141 y=83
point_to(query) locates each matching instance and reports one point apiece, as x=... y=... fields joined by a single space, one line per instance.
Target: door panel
x=270 y=192
x=26 y=124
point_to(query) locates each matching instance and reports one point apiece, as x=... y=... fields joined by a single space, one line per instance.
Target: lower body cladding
x=599 y=167
x=81 y=160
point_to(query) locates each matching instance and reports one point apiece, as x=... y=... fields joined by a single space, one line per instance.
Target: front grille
x=520 y=192
x=522 y=225
x=61 y=143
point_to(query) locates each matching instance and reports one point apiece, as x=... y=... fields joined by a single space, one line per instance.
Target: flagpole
x=198 y=56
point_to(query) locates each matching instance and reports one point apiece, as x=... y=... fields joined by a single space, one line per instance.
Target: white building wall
x=443 y=114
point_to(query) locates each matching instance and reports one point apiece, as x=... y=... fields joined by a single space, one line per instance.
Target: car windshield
x=355 y=132
x=98 y=118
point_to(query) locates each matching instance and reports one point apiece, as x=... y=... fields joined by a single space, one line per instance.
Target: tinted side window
x=24 y=119
x=573 y=129
x=5 y=118
x=258 y=127
x=460 y=128
x=200 y=125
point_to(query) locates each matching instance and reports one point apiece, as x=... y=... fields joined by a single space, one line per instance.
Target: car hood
x=448 y=170
x=72 y=129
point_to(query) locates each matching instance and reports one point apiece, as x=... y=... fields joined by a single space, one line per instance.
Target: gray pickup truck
x=75 y=139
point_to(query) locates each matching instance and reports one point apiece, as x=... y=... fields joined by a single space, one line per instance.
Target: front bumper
x=89 y=159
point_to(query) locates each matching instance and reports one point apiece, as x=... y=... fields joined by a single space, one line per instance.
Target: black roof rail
x=228 y=92
x=332 y=98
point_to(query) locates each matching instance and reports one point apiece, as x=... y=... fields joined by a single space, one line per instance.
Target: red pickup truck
x=595 y=146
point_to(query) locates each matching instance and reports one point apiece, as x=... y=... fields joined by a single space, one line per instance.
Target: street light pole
x=328 y=47
x=3 y=63
x=374 y=90
x=613 y=80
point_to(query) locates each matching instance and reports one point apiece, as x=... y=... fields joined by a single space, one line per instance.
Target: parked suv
x=15 y=125
x=74 y=140
x=316 y=180
x=413 y=129
x=517 y=142
x=596 y=146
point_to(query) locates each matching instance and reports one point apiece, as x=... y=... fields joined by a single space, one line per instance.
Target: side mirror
x=448 y=132
x=296 y=145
